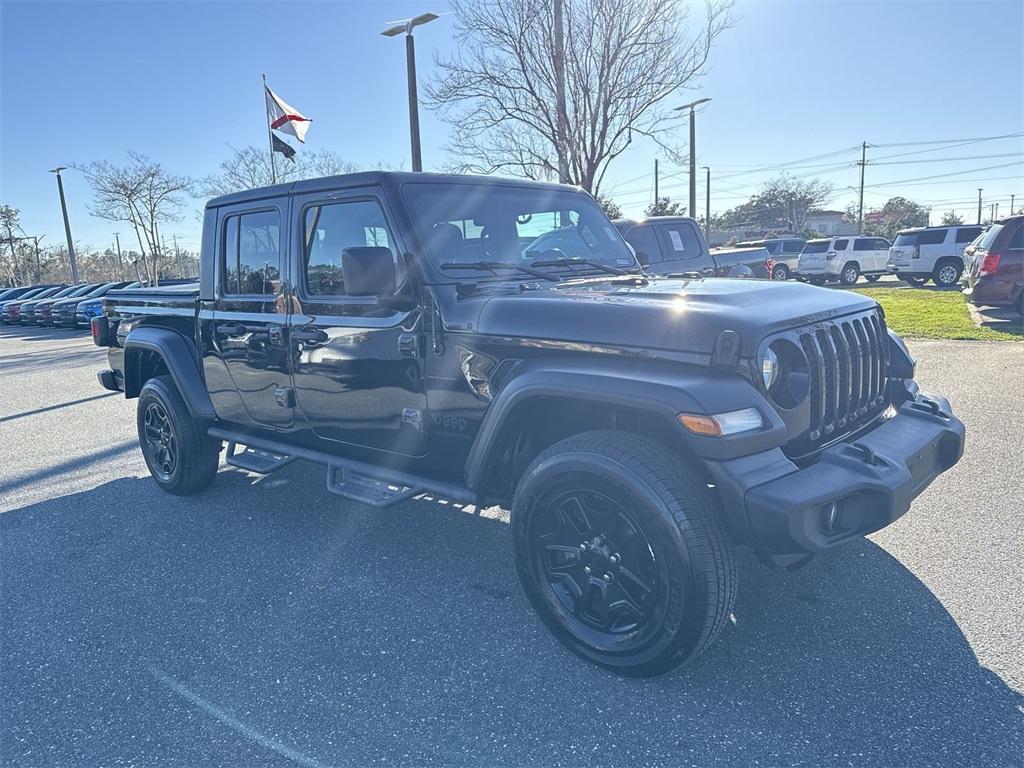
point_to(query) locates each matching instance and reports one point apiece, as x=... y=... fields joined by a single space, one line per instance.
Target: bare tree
x=249 y=167
x=790 y=199
x=141 y=193
x=538 y=95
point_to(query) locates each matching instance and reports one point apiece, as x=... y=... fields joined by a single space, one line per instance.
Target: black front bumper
x=854 y=488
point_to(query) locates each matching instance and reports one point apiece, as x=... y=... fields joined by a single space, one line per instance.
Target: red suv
x=995 y=277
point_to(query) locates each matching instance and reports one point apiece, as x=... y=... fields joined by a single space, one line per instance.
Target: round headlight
x=769 y=367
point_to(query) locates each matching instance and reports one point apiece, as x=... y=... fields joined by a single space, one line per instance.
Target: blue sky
x=793 y=80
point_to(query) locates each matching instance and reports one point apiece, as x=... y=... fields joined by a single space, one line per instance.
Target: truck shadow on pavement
x=279 y=625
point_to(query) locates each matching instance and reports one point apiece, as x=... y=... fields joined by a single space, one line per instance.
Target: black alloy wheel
x=160 y=445
x=622 y=551
x=181 y=457
x=599 y=565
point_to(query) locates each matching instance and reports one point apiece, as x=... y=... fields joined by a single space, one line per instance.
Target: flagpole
x=270 y=136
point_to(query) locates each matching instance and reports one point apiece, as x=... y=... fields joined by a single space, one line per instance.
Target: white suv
x=844 y=259
x=931 y=252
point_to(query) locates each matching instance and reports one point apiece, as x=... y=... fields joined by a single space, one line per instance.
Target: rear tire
x=780 y=272
x=621 y=550
x=181 y=457
x=850 y=273
x=947 y=274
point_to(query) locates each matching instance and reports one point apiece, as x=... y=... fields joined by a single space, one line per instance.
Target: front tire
x=621 y=550
x=180 y=456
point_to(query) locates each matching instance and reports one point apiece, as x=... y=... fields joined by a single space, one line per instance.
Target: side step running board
x=357 y=480
x=375 y=491
x=256 y=460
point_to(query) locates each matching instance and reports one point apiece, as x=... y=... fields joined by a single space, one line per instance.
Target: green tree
x=898 y=213
x=610 y=207
x=663 y=206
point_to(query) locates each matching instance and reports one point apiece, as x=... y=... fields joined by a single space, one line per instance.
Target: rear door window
x=794 y=246
x=840 y=245
x=967 y=234
x=863 y=244
x=932 y=236
x=644 y=240
x=679 y=241
x=252 y=254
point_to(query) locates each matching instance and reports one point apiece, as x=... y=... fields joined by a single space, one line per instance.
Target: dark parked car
x=995 y=275
x=27 y=311
x=20 y=294
x=394 y=328
x=41 y=312
x=12 y=309
x=62 y=311
x=675 y=245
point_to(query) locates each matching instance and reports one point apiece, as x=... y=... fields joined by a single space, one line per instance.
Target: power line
x=946 y=175
x=950 y=141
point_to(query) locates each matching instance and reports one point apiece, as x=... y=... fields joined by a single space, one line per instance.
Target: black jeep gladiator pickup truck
x=412 y=333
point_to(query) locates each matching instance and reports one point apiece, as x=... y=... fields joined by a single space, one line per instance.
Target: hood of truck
x=659 y=313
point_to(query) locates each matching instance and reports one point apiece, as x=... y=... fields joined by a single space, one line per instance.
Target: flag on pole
x=283 y=117
x=283 y=147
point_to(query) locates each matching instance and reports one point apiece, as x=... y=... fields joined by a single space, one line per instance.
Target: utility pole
x=120 y=263
x=655 y=181
x=995 y=214
x=39 y=263
x=177 y=256
x=67 y=225
x=1011 y=204
x=979 y=205
x=860 y=205
x=707 y=202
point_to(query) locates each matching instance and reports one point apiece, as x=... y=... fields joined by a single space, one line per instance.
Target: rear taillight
x=989 y=265
x=768 y=264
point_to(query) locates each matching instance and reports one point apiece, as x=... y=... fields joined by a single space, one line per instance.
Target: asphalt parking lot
x=267 y=622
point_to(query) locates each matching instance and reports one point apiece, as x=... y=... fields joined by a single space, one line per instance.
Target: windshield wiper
x=491 y=266
x=571 y=262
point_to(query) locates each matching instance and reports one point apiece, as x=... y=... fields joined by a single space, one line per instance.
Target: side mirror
x=643 y=258
x=368 y=271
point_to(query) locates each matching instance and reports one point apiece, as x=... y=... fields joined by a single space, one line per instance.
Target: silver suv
x=935 y=253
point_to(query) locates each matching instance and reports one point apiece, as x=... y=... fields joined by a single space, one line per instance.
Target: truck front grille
x=847 y=364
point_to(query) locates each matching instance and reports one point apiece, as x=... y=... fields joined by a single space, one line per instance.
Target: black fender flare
x=664 y=389
x=179 y=356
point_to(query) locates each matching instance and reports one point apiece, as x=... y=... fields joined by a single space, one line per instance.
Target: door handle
x=310 y=336
x=231 y=329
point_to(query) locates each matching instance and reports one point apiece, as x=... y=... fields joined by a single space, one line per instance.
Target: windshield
x=466 y=223
x=819 y=247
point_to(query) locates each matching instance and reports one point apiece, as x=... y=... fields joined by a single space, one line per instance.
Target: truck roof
x=645 y=219
x=376 y=178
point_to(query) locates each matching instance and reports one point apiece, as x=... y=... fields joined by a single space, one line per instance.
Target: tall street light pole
x=707 y=202
x=67 y=224
x=693 y=150
x=397 y=28
x=979 y=205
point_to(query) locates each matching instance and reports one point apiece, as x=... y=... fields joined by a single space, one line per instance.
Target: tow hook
x=867 y=454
